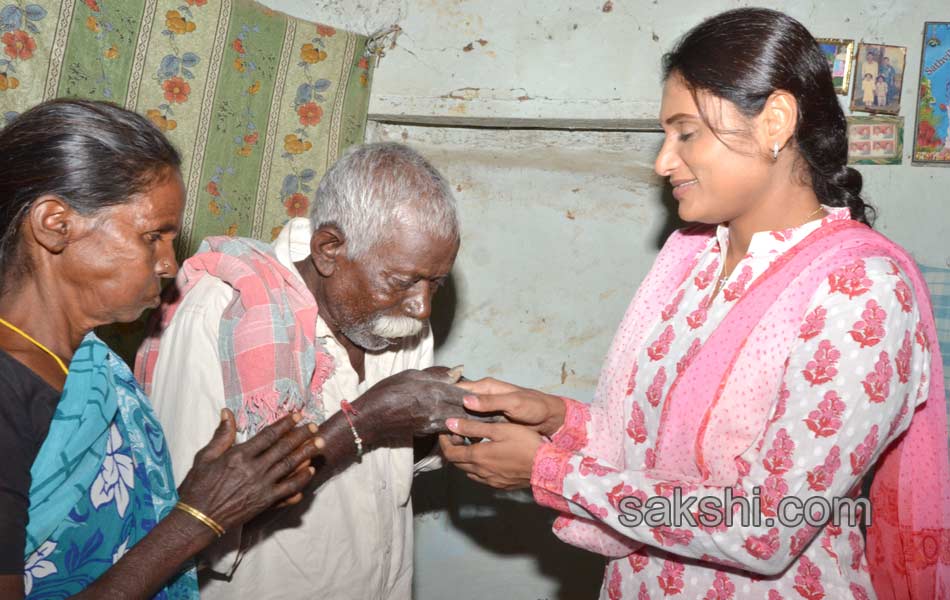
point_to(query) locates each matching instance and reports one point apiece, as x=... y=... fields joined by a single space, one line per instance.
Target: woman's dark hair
x=745 y=55
x=90 y=154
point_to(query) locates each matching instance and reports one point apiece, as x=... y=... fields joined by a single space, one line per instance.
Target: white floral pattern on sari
x=116 y=477
x=37 y=566
x=124 y=494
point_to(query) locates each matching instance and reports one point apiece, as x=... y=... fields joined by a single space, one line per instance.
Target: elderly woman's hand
x=233 y=483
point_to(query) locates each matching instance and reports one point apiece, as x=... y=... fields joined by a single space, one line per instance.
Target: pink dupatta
x=721 y=402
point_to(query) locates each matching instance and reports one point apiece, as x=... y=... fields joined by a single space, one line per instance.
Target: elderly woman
x=91 y=200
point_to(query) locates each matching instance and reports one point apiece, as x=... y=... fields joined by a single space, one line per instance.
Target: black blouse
x=27 y=404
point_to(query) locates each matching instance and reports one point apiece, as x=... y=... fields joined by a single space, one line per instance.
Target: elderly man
x=382 y=237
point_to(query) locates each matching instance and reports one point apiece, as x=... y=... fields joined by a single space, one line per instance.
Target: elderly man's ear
x=327 y=245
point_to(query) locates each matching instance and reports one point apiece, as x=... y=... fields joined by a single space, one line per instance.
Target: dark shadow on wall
x=508 y=527
x=444 y=304
x=673 y=221
x=501 y=524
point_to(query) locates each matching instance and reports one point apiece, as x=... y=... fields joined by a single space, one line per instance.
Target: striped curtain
x=258 y=103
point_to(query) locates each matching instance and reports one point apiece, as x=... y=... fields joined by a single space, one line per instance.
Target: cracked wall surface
x=558 y=228
x=569 y=58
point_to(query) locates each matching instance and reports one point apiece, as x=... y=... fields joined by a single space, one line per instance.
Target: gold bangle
x=191 y=510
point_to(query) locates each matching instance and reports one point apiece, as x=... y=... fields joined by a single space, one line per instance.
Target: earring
x=775 y=151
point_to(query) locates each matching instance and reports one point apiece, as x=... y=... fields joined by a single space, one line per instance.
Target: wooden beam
x=641 y=125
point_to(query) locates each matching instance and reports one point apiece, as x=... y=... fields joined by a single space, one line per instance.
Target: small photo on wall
x=932 y=135
x=840 y=56
x=878 y=78
x=877 y=140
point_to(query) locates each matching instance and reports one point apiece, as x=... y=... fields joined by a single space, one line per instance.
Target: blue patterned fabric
x=938 y=280
x=101 y=480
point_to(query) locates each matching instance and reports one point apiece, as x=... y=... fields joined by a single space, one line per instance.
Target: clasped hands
x=230 y=483
x=510 y=421
x=505 y=457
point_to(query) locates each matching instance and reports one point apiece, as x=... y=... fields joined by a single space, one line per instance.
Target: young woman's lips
x=681 y=187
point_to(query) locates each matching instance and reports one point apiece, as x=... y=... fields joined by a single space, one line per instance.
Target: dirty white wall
x=560 y=226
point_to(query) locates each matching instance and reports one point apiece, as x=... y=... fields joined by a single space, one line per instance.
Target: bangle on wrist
x=347 y=409
x=197 y=514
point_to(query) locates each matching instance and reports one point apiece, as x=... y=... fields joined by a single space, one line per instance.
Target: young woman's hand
x=505 y=457
x=542 y=412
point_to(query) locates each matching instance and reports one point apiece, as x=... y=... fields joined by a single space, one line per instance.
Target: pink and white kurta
x=855 y=373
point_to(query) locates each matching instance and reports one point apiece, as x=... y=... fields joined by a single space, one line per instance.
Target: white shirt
x=353 y=538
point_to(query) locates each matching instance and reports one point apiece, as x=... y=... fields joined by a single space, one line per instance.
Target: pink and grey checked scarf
x=271 y=362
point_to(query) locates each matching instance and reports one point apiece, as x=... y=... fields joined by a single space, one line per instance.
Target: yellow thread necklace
x=27 y=336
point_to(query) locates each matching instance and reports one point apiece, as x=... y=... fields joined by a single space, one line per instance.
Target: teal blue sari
x=101 y=480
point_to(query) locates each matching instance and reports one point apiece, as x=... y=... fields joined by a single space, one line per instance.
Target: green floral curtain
x=258 y=103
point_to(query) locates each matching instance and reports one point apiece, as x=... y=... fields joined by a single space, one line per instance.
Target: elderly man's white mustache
x=396 y=327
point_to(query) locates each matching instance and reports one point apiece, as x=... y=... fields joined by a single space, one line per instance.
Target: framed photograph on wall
x=840 y=55
x=932 y=130
x=877 y=140
x=878 y=78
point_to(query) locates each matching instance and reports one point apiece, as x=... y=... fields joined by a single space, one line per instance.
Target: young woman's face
x=712 y=182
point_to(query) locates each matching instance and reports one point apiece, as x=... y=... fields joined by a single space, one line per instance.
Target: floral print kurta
x=851 y=383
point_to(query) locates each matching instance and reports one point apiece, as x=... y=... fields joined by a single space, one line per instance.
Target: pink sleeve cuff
x=551 y=465
x=573 y=432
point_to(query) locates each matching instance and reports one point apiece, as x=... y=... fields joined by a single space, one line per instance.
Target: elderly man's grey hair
x=373 y=186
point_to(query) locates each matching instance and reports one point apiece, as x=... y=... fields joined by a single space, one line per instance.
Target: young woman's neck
x=785 y=208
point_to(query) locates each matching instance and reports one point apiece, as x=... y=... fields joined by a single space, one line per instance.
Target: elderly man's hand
x=410 y=403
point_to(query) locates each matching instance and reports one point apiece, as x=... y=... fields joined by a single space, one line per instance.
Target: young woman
x=779 y=351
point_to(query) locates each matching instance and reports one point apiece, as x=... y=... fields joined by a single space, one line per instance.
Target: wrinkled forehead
x=159 y=206
x=412 y=249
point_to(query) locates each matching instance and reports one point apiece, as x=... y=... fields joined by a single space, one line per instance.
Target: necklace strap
x=30 y=339
x=725 y=276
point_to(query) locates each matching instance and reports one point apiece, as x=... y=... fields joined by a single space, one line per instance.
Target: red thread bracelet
x=347 y=409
